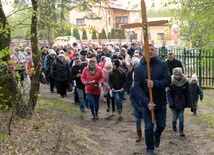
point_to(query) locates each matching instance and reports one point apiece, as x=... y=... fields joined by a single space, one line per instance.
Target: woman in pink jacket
x=92 y=77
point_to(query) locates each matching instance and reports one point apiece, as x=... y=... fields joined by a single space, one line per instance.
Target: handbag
x=42 y=79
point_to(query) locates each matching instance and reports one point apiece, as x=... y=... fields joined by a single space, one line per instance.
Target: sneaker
x=96 y=117
x=182 y=134
x=93 y=117
x=107 y=110
x=157 y=142
x=150 y=152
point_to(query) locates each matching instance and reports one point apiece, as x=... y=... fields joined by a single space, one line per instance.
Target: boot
x=139 y=136
x=182 y=133
x=174 y=128
x=120 y=117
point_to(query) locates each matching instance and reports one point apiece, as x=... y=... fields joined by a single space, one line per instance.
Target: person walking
x=172 y=62
x=60 y=72
x=137 y=112
x=117 y=82
x=160 y=79
x=92 y=77
x=76 y=73
x=179 y=97
x=106 y=87
x=196 y=92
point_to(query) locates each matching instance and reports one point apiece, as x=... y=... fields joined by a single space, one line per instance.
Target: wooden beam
x=152 y=23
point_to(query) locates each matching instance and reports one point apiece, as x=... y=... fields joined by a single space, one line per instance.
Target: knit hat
x=116 y=62
x=108 y=64
x=177 y=71
x=135 y=61
x=194 y=77
x=60 y=55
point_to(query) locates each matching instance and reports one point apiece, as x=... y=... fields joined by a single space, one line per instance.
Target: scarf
x=92 y=71
x=181 y=82
x=106 y=71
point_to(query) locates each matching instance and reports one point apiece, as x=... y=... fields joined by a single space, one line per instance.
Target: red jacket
x=98 y=77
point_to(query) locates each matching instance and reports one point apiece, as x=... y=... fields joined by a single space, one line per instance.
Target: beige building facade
x=108 y=16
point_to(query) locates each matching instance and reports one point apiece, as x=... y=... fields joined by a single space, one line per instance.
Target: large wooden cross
x=145 y=26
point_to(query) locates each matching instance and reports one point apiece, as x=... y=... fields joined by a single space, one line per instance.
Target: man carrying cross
x=160 y=79
x=151 y=77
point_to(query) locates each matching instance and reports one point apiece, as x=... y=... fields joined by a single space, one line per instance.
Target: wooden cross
x=145 y=26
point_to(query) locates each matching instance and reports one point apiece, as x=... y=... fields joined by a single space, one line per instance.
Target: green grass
x=70 y=108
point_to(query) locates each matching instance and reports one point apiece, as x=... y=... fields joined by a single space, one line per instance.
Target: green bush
x=76 y=33
x=94 y=34
x=113 y=35
x=123 y=36
x=103 y=34
x=84 y=35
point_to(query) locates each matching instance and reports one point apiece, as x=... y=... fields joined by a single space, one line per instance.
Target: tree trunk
x=5 y=31
x=34 y=44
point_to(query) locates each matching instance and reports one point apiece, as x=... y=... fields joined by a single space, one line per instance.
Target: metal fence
x=200 y=62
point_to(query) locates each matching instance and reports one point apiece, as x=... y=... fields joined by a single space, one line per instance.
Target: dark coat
x=173 y=64
x=74 y=71
x=179 y=97
x=48 y=63
x=60 y=70
x=137 y=107
x=104 y=54
x=117 y=80
x=196 y=91
x=161 y=77
x=131 y=51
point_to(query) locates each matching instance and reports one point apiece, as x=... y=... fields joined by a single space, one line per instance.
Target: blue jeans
x=138 y=123
x=178 y=113
x=118 y=97
x=93 y=101
x=80 y=93
x=160 y=117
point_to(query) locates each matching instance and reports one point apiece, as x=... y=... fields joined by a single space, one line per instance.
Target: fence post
x=200 y=67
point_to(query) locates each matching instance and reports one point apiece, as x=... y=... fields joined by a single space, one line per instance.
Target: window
x=121 y=20
x=109 y=20
x=160 y=35
x=80 y=21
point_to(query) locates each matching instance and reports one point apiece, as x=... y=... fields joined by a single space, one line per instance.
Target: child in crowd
x=137 y=113
x=106 y=87
x=196 y=92
x=179 y=97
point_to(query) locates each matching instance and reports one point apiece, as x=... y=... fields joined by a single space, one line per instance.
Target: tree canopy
x=195 y=20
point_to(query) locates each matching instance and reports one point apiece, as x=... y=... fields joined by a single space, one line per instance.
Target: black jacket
x=60 y=70
x=196 y=91
x=173 y=64
x=117 y=80
x=74 y=71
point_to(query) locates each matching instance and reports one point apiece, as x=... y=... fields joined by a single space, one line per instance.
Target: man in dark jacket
x=160 y=79
x=172 y=62
x=76 y=72
x=105 y=52
x=61 y=73
x=132 y=49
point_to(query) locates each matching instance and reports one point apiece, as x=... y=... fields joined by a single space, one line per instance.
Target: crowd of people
x=117 y=70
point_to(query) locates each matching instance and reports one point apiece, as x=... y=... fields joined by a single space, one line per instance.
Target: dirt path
x=118 y=138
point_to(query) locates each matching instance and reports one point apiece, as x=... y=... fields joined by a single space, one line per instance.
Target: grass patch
x=69 y=108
